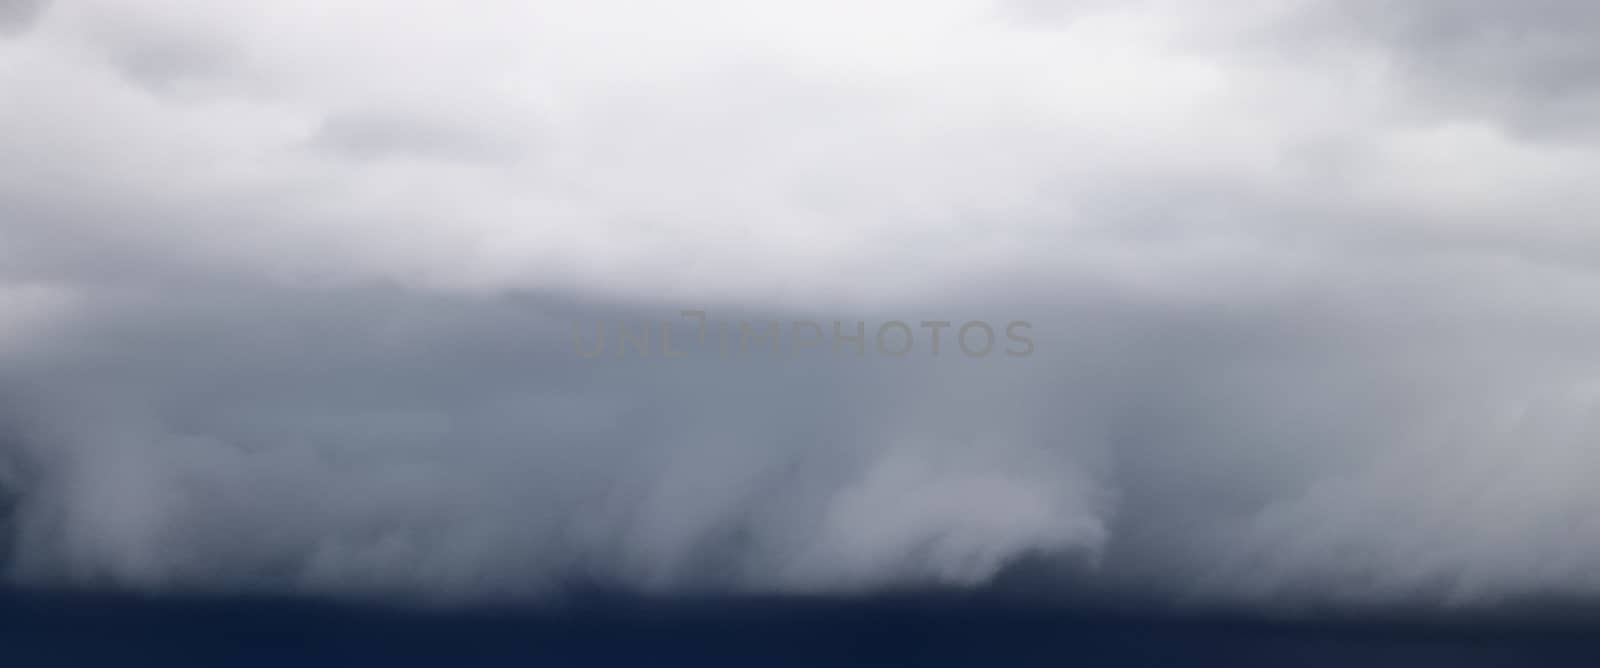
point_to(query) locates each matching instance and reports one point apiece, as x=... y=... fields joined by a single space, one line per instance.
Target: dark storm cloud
x=1287 y=345
x=384 y=441
x=516 y=465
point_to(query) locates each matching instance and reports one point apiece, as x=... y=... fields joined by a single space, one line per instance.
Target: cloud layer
x=288 y=294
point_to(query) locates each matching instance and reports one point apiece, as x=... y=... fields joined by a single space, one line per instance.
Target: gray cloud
x=1529 y=65
x=377 y=134
x=380 y=441
x=162 y=65
x=16 y=16
x=171 y=55
x=466 y=442
x=1300 y=333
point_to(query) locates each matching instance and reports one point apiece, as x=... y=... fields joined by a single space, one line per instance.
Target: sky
x=293 y=296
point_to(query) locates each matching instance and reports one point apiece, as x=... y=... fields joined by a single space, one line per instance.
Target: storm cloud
x=288 y=295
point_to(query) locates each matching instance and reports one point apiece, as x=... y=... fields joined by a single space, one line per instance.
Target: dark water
x=74 y=630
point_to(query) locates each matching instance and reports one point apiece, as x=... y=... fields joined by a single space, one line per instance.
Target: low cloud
x=1306 y=328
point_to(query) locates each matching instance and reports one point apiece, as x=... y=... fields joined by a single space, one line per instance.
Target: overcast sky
x=288 y=294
